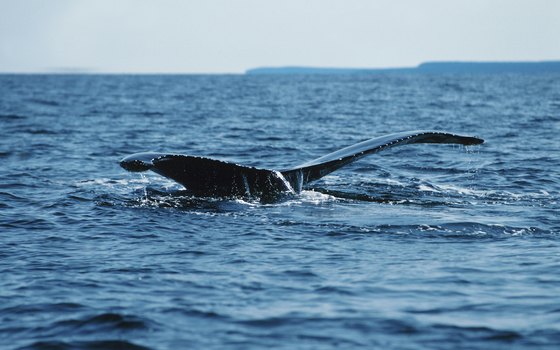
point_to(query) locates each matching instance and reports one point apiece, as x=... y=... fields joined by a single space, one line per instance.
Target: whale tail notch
x=210 y=177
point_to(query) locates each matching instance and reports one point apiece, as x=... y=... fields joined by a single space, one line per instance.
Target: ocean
x=418 y=247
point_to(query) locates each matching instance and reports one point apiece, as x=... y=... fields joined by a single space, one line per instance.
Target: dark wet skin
x=214 y=178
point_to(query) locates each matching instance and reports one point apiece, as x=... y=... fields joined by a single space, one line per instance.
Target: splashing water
x=286 y=183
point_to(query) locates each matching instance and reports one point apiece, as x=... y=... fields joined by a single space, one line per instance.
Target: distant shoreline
x=435 y=67
x=443 y=67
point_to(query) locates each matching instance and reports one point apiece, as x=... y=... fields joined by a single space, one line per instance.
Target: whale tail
x=214 y=178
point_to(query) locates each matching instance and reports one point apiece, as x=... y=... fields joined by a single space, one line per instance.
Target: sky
x=230 y=36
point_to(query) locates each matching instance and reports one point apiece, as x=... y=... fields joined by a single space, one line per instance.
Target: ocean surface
x=417 y=247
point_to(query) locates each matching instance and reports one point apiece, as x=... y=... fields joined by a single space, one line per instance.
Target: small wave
x=452 y=230
x=474 y=230
x=14 y=180
x=300 y=273
x=183 y=199
x=453 y=189
x=196 y=313
x=7 y=196
x=106 y=182
x=110 y=321
x=478 y=333
x=473 y=307
x=12 y=116
x=151 y=198
x=484 y=195
x=28 y=223
x=151 y=114
x=338 y=195
x=306 y=197
x=38 y=131
x=44 y=102
x=35 y=308
x=84 y=345
x=334 y=290
x=138 y=270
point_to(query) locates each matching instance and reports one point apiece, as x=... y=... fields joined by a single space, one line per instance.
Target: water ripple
x=419 y=247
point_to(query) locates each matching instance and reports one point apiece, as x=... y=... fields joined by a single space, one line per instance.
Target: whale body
x=207 y=177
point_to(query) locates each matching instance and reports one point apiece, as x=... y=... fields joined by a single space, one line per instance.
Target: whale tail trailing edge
x=215 y=178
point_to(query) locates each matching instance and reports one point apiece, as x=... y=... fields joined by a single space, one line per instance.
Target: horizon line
x=90 y=71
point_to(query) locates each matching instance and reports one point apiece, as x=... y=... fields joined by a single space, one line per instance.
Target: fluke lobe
x=206 y=177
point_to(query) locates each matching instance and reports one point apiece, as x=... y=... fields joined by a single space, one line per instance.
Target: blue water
x=418 y=247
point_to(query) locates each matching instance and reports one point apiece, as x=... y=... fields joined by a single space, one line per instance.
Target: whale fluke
x=317 y=168
x=214 y=178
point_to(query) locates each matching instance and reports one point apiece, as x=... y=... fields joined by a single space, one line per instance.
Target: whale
x=208 y=177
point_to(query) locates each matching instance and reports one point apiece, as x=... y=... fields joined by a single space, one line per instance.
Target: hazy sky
x=213 y=36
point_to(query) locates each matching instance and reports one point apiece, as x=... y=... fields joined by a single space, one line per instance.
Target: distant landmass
x=427 y=67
